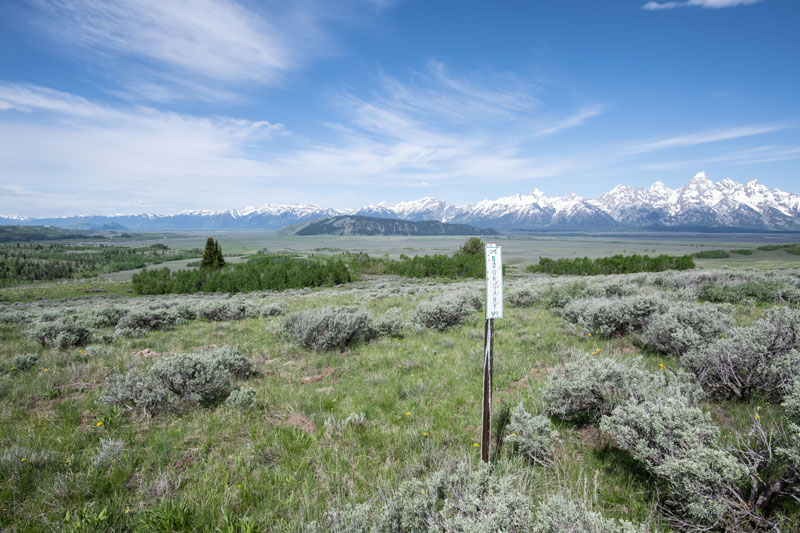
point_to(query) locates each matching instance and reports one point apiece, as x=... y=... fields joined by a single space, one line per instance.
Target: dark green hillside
x=41 y=233
x=358 y=225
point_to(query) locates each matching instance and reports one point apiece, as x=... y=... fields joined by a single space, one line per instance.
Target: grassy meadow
x=326 y=429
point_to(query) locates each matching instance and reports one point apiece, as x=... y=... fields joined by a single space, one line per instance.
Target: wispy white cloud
x=435 y=128
x=749 y=156
x=712 y=4
x=703 y=137
x=216 y=39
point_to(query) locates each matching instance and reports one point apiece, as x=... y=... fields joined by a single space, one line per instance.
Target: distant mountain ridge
x=700 y=205
x=361 y=225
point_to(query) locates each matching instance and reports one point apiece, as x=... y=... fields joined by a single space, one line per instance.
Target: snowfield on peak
x=701 y=204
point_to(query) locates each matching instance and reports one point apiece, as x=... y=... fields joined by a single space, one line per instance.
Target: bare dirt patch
x=300 y=421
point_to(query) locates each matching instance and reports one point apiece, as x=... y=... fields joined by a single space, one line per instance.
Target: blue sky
x=150 y=106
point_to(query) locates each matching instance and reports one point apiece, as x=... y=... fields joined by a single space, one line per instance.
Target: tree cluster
x=617 y=264
x=258 y=274
x=212 y=255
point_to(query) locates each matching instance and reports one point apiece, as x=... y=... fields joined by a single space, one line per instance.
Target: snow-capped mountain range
x=699 y=205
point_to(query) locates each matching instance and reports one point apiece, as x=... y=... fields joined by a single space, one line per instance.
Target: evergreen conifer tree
x=219 y=260
x=209 y=254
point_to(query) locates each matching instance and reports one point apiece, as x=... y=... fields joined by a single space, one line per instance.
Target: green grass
x=260 y=464
x=278 y=466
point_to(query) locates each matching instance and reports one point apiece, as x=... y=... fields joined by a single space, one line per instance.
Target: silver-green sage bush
x=686 y=326
x=760 y=359
x=678 y=444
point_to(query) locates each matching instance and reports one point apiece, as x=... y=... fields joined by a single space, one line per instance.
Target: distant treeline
x=793 y=249
x=21 y=263
x=274 y=272
x=617 y=264
x=444 y=266
x=468 y=262
x=712 y=254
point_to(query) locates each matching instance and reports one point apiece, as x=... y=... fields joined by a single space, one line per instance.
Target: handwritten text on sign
x=494 y=282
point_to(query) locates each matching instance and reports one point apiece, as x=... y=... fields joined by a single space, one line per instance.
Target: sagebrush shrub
x=390 y=324
x=587 y=386
x=678 y=445
x=791 y=402
x=353 y=420
x=685 y=326
x=523 y=298
x=140 y=321
x=105 y=317
x=532 y=436
x=757 y=290
x=13 y=317
x=328 y=328
x=561 y=515
x=139 y=389
x=558 y=296
x=15 y=457
x=446 y=313
x=460 y=498
x=108 y=451
x=222 y=311
x=196 y=378
x=230 y=359
x=759 y=359
x=615 y=316
x=24 y=361
x=241 y=399
x=62 y=333
x=273 y=309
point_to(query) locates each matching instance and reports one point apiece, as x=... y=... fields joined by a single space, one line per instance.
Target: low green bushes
x=445 y=266
x=617 y=264
x=711 y=254
x=258 y=274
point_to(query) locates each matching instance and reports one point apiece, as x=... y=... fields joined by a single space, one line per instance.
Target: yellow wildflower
x=476 y=445
x=99 y=423
x=408 y=413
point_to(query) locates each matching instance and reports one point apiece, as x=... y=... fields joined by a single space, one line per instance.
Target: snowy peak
x=701 y=204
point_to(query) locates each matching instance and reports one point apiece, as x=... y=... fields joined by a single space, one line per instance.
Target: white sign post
x=494 y=309
x=494 y=282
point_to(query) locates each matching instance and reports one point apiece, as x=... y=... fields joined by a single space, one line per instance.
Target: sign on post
x=494 y=282
x=494 y=309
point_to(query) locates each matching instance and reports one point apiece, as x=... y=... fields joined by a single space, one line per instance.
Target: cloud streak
x=703 y=137
x=708 y=4
x=184 y=43
x=435 y=128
